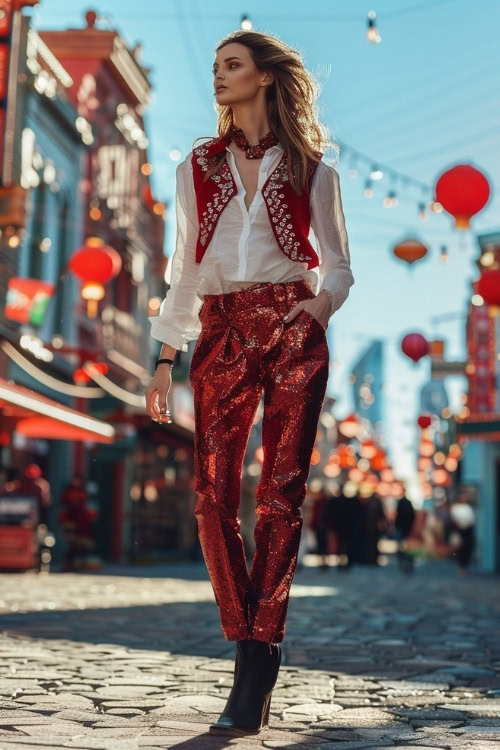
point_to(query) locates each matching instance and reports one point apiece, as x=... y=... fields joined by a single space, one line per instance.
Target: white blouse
x=243 y=249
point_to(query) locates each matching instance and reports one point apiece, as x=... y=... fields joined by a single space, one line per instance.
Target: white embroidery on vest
x=274 y=201
x=225 y=190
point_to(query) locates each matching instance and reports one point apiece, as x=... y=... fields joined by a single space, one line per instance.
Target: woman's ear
x=268 y=78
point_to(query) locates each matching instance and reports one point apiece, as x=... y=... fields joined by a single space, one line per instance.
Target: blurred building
x=76 y=175
x=479 y=427
x=367 y=378
x=40 y=224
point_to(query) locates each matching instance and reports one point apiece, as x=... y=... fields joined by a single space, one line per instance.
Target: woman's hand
x=156 y=394
x=319 y=307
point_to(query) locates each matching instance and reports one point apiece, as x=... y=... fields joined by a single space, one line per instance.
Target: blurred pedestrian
x=463 y=519
x=357 y=519
x=338 y=518
x=34 y=483
x=374 y=524
x=403 y=523
x=76 y=520
x=31 y=483
x=318 y=525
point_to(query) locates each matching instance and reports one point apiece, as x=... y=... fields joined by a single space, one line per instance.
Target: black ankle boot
x=235 y=690
x=248 y=705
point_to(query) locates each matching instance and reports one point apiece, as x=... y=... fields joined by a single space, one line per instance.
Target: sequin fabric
x=245 y=348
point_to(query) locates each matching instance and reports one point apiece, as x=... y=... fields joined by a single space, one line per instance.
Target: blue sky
x=422 y=100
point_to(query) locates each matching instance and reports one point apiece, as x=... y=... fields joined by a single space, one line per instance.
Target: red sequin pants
x=245 y=348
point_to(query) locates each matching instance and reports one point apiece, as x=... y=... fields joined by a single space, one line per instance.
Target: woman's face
x=236 y=71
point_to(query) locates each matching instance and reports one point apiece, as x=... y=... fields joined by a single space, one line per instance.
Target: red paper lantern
x=488 y=287
x=462 y=191
x=410 y=250
x=424 y=421
x=415 y=346
x=96 y=262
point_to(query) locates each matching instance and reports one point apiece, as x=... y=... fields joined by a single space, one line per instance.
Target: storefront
x=481 y=469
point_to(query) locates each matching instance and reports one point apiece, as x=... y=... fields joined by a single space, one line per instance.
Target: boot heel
x=265 y=720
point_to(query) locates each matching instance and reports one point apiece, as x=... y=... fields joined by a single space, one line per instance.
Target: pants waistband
x=267 y=293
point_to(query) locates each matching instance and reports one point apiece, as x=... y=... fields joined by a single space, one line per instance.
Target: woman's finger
x=293 y=313
x=153 y=410
x=162 y=401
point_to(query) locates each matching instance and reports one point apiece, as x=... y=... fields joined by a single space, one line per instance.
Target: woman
x=244 y=275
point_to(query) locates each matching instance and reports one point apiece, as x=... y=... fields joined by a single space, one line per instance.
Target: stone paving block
x=431 y=714
x=63 y=728
x=311 y=711
x=200 y=703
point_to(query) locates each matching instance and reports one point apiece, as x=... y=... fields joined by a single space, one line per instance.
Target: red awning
x=41 y=417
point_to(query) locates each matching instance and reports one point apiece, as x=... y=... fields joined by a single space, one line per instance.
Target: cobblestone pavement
x=134 y=658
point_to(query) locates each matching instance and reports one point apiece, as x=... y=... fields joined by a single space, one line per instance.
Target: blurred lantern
x=426 y=448
x=315 y=457
x=455 y=450
x=355 y=475
x=346 y=456
x=440 y=477
x=488 y=287
x=424 y=463
x=350 y=489
x=424 y=421
x=387 y=475
x=96 y=264
x=415 y=346
x=379 y=461
x=332 y=470
x=368 y=449
x=410 y=250
x=462 y=191
x=451 y=464
x=349 y=427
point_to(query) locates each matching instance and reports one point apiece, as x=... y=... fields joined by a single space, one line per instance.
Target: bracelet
x=330 y=297
x=161 y=361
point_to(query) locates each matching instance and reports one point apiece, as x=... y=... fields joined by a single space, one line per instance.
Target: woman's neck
x=254 y=124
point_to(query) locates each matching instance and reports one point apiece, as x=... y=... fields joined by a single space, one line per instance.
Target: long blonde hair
x=291 y=105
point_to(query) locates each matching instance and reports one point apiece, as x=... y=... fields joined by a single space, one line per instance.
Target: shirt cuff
x=167 y=335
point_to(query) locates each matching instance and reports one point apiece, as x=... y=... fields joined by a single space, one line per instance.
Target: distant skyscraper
x=368 y=379
x=433 y=396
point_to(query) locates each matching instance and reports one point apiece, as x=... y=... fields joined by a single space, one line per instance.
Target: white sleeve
x=328 y=224
x=177 y=321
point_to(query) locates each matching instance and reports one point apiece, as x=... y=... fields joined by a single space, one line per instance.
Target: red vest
x=290 y=229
